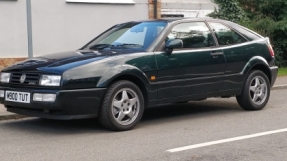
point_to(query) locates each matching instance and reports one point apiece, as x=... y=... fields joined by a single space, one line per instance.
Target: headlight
x=5 y=77
x=50 y=80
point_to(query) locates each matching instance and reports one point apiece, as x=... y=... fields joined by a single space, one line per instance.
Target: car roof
x=177 y=19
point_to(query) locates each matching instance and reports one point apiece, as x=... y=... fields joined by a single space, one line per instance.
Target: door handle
x=216 y=53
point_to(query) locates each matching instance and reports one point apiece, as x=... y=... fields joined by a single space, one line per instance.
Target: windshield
x=132 y=35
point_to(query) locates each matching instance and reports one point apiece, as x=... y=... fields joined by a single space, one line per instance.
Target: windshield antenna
x=199 y=10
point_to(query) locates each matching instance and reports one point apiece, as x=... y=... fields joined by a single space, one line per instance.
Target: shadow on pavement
x=38 y=125
x=193 y=108
x=155 y=115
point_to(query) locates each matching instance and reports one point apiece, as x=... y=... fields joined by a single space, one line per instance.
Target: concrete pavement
x=3 y=111
x=4 y=115
x=281 y=83
x=161 y=129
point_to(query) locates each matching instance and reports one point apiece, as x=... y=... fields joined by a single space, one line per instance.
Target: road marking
x=189 y=147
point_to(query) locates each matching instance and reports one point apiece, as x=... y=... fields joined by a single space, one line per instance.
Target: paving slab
x=4 y=115
x=281 y=81
x=3 y=110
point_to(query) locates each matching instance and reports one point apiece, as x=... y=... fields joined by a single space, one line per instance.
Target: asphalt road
x=162 y=129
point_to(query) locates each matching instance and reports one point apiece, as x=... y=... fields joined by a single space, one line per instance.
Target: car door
x=197 y=68
x=237 y=53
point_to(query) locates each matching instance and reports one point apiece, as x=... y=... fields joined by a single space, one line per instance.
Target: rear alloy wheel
x=122 y=107
x=256 y=91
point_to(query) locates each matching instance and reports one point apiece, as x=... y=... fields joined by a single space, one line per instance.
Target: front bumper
x=274 y=72
x=69 y=104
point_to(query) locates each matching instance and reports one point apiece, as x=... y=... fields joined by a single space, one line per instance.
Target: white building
x=61 y=25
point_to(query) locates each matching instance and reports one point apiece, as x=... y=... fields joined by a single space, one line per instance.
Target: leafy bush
x=228 y=10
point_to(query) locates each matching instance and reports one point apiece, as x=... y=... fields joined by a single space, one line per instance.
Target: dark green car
x=141 y=64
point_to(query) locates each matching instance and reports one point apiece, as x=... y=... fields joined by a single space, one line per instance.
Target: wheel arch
x=134 y=79
x=257 y=63
x=264 y=69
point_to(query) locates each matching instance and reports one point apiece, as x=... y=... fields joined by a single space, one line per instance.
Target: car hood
x=60 y=62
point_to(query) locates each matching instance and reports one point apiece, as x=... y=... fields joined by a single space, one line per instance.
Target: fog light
x=49 y=97
x=37 y=97
x=44 y=97
x=2 y=93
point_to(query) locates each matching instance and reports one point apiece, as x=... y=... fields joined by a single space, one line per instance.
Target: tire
x=256 y=91
x=122 y=106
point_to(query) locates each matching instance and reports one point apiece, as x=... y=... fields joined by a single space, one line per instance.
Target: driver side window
x=193 y=35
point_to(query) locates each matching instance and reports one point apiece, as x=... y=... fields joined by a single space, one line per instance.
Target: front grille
x=31 y=78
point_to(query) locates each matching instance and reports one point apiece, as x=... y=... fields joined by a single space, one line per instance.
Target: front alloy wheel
x=122 y=106
x=125 y=106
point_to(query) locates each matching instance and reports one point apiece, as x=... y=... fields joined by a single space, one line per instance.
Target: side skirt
x=225 y=93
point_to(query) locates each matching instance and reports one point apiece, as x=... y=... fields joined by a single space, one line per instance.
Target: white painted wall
x=58 y=25
x=13 y=30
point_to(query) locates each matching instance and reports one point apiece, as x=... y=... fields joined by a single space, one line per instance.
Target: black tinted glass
x=250 y=35
x=224 y=35
x=193 y=35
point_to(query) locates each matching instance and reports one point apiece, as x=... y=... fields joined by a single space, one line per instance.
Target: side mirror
x=173 y=44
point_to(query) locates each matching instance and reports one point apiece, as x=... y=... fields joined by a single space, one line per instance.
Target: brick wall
x=4 y=62
x=151 y=9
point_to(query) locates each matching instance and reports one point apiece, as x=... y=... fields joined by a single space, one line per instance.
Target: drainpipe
x=29 y=28
x=155 y=9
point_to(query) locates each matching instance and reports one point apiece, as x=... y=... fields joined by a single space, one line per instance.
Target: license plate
x=22 y=97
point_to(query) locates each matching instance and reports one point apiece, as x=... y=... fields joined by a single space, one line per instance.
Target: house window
x=103 y=1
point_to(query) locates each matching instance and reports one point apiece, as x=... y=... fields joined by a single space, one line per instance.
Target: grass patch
x=282 y=71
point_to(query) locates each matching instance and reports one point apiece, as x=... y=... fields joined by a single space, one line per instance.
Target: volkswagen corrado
x=140 y=64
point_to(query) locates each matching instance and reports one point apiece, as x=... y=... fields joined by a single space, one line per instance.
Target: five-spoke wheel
x=125 y=106
x=258 y=90
x=122 y=106
x=255 y=92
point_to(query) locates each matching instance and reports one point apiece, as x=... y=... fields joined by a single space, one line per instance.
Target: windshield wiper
x=126 y=45
x=103 y=46
x=99 y=46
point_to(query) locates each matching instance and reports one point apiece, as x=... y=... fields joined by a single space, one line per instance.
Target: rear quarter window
x=250 y=35
x=226 y=35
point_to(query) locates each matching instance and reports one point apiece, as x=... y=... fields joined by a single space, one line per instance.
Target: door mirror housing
x=173 y=44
